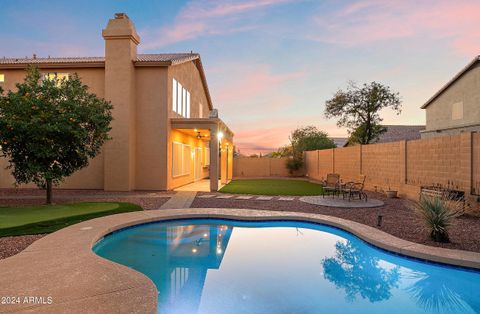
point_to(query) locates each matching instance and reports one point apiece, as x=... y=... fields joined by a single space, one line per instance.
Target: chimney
x=121 y=40
x=120 y=32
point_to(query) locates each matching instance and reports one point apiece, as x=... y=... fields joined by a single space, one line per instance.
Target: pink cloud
x=250 y=82
x=263 y=137
x=206 y=18
x=365 y=22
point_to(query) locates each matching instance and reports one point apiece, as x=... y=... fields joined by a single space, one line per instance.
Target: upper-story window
x=180 y=99
x=457 y=111
x=56 y=75
x=2 y=78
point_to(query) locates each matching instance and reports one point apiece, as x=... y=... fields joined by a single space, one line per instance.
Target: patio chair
x=355 y=188
x=331 y=184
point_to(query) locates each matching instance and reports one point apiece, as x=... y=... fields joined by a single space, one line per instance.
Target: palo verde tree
x=358 y=109
x=50 y=128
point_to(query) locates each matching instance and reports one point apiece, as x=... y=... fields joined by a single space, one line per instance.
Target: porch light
x=220 y=135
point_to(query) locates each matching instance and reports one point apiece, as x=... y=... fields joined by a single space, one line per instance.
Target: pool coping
x=63 y=266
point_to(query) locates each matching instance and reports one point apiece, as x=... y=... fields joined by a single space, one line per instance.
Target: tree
x=358 y=109
x=309 y=138
x=304 y=139
x=284 y=151
x=50 y=128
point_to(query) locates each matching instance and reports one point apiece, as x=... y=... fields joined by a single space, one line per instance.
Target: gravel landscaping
x=10 y=246
x=399 y=218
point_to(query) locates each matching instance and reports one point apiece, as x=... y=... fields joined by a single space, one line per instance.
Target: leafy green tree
x=304 y=139
x=358 y=109
x=309 y=138
x=50 y=128
x=284 y=151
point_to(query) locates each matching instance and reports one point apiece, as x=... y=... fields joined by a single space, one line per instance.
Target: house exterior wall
x=441 y=116
x=152 y=128
x=91 y=177
x=188 y=75
x=139 y=153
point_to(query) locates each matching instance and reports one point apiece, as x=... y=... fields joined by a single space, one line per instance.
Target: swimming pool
x=226 y=266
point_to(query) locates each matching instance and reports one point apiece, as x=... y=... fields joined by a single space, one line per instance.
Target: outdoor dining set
x=334 y=186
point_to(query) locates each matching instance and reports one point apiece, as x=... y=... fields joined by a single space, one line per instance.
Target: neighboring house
x=396 y=133
x=455 y=108
x=339 y=141
x=165 y=132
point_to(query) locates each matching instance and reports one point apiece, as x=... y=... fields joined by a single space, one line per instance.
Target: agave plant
x=438 y=214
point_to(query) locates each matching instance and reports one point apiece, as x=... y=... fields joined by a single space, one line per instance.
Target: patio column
x=213 y=173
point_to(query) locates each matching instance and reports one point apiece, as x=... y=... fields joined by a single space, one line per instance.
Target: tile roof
x=174 y=58
x=51 y=60
x=401 y=133
x=171 y=58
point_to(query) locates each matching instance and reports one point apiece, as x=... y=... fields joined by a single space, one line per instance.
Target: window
x=55 y=75
x=2 y=78
x=200 y=110
x=180 y=99
x=174 y=95
x=188 y=105
x=181 y=159
x=207 y=157
x=457 y=111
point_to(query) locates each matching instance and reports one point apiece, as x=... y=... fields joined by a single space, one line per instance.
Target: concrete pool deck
x=62 y=265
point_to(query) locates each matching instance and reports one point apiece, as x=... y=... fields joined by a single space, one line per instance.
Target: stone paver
x=243 y=197
x=206 y=196
x=63 y=266
x=286 y=198
x=182 y=199
x=224 y=196
x=340 y=202
x=264 y=198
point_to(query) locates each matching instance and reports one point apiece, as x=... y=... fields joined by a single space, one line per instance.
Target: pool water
x=223 y=266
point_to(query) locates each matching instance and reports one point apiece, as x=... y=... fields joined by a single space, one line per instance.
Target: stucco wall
x=466 y=90
x=152 y=128
x=90 y=177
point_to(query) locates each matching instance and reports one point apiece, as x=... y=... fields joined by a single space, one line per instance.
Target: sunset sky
x=271 y=64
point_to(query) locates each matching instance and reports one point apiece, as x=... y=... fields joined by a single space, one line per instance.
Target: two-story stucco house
x=455 y=108
x=165 y=131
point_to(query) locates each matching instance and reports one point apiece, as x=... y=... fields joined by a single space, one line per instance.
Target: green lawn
x=272 y=187
x=49 y=218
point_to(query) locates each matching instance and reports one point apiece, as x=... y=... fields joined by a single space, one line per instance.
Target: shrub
x=438 y=215
x=294 y=164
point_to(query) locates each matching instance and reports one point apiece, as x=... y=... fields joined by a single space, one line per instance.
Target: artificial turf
x=272 y=187
x=49 y=218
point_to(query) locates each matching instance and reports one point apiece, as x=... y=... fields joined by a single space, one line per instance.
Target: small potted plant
x=391 y=193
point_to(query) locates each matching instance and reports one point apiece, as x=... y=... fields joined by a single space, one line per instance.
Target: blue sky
x=271 y=64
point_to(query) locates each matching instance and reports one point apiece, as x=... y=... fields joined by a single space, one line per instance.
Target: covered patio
x=220 y=156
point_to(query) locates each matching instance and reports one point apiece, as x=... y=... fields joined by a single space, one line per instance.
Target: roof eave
x=453 y=80
x=54 y=65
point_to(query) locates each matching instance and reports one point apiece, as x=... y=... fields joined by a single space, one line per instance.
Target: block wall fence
x=406 y=165
x=248 y=167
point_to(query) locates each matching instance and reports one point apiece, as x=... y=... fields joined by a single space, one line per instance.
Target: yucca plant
x=438 y=214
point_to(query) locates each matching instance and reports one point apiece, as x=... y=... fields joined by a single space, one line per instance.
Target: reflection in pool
x=222 y=266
